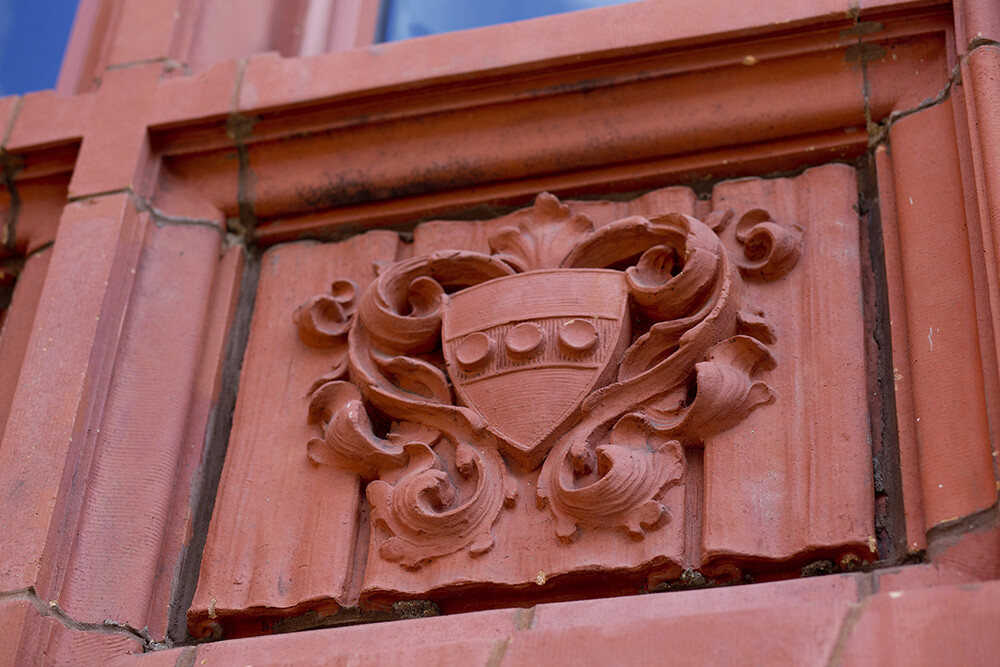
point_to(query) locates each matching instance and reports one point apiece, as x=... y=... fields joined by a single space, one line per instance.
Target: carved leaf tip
x=543 y=238
x=416 y=376
x=726 y=392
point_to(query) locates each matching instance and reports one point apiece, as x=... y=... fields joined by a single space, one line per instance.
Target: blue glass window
x=33 y=36
x=402 y=19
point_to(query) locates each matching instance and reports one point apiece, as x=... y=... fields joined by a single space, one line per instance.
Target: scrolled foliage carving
x=642 y=324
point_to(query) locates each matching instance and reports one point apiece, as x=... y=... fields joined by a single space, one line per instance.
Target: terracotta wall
x=204 y=426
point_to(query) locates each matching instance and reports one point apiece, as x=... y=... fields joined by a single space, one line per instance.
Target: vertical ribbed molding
x=941 y=294
x=142 y=436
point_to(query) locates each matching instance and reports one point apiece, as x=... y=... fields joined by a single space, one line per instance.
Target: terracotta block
x=799 y=634
x=178 y=200
x=449 y=652
x=982 y=94
x=65 y=362
x=970 y=549
x=17 y=326
x=65 y=646
x=908 y=73
x=458 y=639
x=976 y=18
x=144 y=31
x=271 y=81
x=432 y=144
x=521 y=523
x=114 y=154
x=47 y=118
x=245 y=570
x=14 y=613
x=776 y=474
x=42 y=201
x=208 y=94
x=946 y=364
x=506 y=491
x=402 y=211
x=162 y=658
x=227 y=30
x=835 y=589
x=30 y=638
x=923 y=575
x=215 y=177
x=932 y=626
x=143 y=432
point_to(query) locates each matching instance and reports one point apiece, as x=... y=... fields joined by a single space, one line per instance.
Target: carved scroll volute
x=392 y=349
x=686 y=284
x=423 y=512
x=324 y=322
x=348 y=438
x=325 y=319
x=771 y=250
x=401 y=311
x=670 y=281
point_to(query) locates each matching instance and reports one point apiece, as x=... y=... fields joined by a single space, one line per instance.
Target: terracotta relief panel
x=578 y=398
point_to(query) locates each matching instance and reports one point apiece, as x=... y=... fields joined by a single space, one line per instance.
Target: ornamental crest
x=593 y=356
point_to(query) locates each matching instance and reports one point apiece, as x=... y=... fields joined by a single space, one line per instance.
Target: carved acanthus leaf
x=724 y=392
x=424 y=513
x=348 y=438
x=615 y=484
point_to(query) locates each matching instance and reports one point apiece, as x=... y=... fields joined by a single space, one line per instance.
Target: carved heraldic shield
x=596 y=355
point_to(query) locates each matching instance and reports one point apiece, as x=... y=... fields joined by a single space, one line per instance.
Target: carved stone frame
x=929 y=158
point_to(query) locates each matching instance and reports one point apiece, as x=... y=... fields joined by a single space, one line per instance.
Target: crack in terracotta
x=169 y=65
x=948 y=533
x=878 y=133
x=162 y=219
x=52 y=609
x=844 y=634
x=98 y=195
x=239 y=127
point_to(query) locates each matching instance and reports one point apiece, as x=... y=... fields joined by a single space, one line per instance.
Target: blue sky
x=33 y=36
